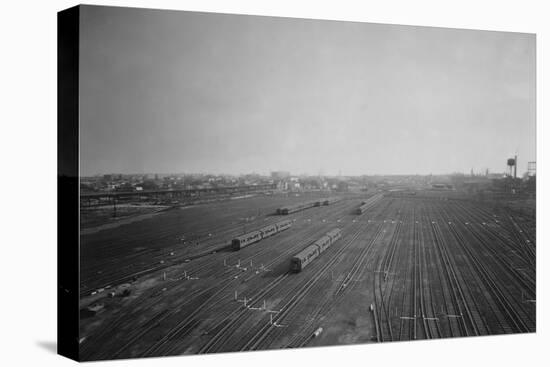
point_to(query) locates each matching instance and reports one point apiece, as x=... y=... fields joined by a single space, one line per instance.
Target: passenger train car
x=307 y=255
x=255 y=236
x=295 y=208
x=310 y=204
x=330 y=201
x=366 y=205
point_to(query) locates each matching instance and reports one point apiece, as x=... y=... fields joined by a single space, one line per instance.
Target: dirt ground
x=410 y=268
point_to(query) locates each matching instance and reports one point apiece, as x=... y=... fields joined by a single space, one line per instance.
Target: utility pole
x=114 y=207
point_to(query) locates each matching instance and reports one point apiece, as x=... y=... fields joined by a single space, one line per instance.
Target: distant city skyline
x=293 y=174
x=190 y=92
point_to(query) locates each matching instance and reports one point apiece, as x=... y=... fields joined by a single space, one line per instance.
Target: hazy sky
x=178 y=91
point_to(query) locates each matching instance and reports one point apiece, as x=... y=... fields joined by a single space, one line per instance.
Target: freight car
x=255 y=236
x=307 y=255
x=365 y=205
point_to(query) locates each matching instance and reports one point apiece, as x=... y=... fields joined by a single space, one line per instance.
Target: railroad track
x=522 y=248
x=353 y=277
x=407 y=320
x=503 y=260
x=517 y=318
x=381 y=286
x=148 y=301
x=227 y=227
x=136 y=336
x=227 y=323
x=448 y=326
x=430 y=321
x=157 y=255
x=166 y=351
x=485 y=234
x=262 y=336
x=442 y=262
x=221 y=336
x=267 y=334
x=461 y=310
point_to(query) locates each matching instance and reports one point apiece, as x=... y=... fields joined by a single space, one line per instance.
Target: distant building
x=280 y=175
x=531 y=184
x=282 y=185
x=531 y=168
x=342 y=186
x=442 y=186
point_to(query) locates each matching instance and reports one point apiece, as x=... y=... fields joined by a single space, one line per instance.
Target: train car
x=285 y=224
x=332 y=200
x=360 y=210
x=335 y=235
x=303 y=258
x=268 y=231
x=255 y=236
x=363 y=208
x=323 y=243
x=246 y=239
x=365 y=205
x=295 y=208
x=307 y=255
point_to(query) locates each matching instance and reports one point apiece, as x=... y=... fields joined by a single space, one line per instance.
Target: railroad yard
x=373 y=267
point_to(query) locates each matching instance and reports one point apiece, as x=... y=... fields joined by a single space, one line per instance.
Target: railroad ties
x=420 y=269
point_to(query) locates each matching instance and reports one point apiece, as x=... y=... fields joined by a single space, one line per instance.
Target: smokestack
x=515 y=166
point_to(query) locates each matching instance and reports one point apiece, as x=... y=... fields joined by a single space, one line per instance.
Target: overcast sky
x=166 y=92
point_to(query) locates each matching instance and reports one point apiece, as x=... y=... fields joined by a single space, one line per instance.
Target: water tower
x=531 y=168
x=512 y=166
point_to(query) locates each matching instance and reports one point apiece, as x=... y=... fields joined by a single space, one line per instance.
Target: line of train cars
x=328 y=201
x=307 y=255
x=310 y=204
x=255 y=236
x=366 y=205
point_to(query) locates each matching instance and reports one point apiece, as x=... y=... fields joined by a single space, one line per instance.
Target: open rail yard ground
x=423 y=266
